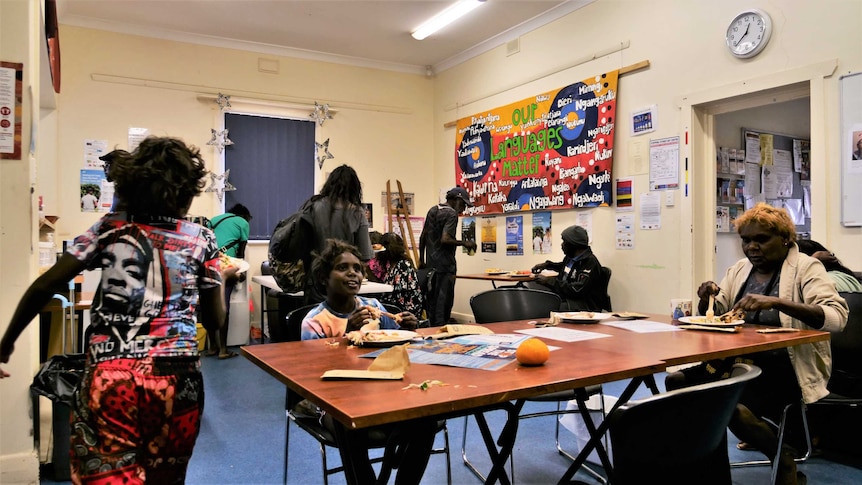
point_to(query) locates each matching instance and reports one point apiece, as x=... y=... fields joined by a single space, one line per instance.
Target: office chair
x=311 y=423
x=605 y=282
x=505 y=304
x=845 y=384
x=674 y=437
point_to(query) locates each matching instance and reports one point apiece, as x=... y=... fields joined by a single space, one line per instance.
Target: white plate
x=702 y=321
x=582 y=317
x=495 y=273
x=513 y=274
x=241 y=264
x=386 y=338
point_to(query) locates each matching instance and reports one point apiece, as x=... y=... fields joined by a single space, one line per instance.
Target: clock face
x=748 y=33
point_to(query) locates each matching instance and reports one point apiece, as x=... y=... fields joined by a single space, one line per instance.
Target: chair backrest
x=265 y=269
x=293 y=323
x=393 y=309
x=847 y=351
x=505 y=304
x=605 y=282
x=662 y=434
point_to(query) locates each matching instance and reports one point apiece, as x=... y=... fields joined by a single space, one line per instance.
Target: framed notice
x=644 y=120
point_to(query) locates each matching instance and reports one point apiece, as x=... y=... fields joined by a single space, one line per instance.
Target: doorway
x=706 y=117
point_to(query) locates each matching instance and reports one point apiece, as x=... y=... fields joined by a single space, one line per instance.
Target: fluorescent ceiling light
x=446 y=17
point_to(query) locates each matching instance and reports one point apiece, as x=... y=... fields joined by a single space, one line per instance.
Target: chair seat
x=838 y=400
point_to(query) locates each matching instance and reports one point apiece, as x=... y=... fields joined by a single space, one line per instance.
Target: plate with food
x=717 y=321
x=520 y=274
x=229 y=261
x=495 y=271
x=386 y=338
x=581 y=317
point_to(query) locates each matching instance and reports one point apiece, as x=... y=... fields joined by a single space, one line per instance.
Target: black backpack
x=290 y=249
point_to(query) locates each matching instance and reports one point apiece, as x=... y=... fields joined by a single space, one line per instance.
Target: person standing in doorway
x=231 y=230
x=437 y=246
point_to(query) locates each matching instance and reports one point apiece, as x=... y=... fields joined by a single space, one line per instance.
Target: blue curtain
x=271 y=165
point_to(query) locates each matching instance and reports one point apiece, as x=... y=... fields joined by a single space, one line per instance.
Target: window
x=271 y=165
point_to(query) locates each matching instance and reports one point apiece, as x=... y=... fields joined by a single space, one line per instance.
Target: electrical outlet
x=668 y=197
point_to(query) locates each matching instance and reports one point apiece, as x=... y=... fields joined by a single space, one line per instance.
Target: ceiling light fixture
x=446 y=17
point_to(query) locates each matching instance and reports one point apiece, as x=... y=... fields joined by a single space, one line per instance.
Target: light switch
x=668 y=197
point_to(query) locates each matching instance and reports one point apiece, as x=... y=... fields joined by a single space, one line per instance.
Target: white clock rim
x=767 y=33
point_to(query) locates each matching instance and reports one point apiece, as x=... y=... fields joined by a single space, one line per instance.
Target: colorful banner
x=552 y=151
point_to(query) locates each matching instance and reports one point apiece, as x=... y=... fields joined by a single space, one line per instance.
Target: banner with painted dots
x=550 y=151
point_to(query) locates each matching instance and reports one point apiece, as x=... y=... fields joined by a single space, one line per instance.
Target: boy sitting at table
x=339 y=270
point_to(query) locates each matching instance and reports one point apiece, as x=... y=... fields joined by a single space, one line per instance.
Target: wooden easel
x=402 y=216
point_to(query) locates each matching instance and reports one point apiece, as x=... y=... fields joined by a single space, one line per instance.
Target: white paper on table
x=562 y=334
x=642 y=326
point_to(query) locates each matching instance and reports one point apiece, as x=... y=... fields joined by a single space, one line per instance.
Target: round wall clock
x=748 y=33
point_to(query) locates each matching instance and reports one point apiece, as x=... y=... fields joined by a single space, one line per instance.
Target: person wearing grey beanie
x=578 y=280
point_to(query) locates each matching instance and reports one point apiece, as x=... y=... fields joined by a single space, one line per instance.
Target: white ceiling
x=357 y=32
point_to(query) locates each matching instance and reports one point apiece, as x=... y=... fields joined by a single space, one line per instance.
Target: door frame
x=697 y=117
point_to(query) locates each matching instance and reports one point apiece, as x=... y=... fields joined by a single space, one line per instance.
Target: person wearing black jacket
x=578 y=279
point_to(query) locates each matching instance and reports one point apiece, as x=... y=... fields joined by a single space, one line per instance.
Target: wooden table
x=494 y=278
x=625 y=355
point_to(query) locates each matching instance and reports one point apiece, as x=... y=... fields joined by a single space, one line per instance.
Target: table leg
x=506 y=441
x=596 y=434
x=263 y=315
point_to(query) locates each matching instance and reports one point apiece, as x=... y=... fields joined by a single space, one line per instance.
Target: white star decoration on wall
x=322 y=157
x=223 y=102
x=320 y=113
x=219 y=139
x=219 y=184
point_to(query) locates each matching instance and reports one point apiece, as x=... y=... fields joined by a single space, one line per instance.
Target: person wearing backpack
x=337 y=213
x=231 y=230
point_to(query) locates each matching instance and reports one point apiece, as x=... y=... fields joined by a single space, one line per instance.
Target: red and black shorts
x=136 y=421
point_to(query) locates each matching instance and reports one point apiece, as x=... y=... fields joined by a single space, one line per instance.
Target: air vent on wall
x=513 y=47
x=267 y=65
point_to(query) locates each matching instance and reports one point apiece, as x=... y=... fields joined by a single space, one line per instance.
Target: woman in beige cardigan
x=777 y=285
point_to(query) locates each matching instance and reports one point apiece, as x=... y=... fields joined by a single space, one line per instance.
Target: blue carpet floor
x=242 y=439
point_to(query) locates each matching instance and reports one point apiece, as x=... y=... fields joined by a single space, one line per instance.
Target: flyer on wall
x=489 y=234
x=514 y=235
x=97 y=194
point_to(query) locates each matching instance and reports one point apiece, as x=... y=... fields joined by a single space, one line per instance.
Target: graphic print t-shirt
x=152 y=269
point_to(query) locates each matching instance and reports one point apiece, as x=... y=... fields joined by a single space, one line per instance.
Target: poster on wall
x=97 y=193
x=541 y=232
x=11 y=77
x=468 y=233
x=514 y=235
x=489 y=234
x=550 y=151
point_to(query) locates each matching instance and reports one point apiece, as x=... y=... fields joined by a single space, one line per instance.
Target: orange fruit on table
x=532 y=352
